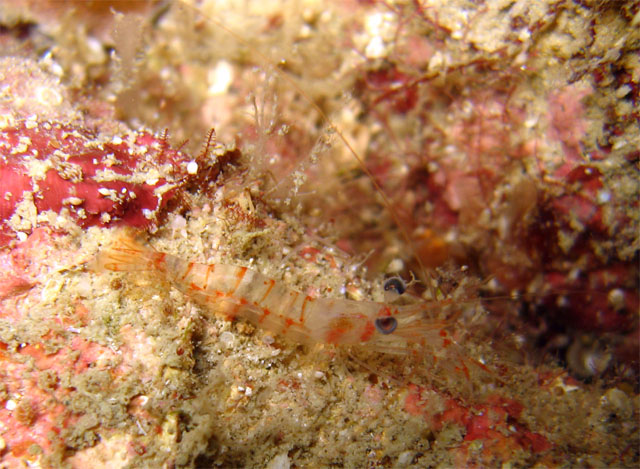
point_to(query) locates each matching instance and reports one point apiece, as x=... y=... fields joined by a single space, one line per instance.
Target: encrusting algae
x=196 y=304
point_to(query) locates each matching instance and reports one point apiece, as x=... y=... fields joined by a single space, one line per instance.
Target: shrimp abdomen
x=239 y=291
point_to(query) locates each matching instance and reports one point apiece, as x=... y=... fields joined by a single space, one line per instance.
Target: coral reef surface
x=486 y=152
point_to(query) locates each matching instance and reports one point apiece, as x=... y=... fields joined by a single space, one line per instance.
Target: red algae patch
x=51 y=167
x=63 y=167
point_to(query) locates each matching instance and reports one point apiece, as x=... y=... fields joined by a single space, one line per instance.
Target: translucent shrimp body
x=240 y=292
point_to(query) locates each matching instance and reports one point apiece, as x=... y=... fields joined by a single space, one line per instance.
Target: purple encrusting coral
x=505 y=137
x=48 y=166
x=62 y=164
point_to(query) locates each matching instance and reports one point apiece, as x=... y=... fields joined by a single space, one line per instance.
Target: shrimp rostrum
x=239 y=292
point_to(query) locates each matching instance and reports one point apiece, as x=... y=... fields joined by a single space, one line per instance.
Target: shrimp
x=239 y=292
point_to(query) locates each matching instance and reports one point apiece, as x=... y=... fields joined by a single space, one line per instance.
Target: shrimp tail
x=127 y=254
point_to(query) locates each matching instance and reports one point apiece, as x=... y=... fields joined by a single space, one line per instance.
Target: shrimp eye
x=395 y=284
x=386 y=325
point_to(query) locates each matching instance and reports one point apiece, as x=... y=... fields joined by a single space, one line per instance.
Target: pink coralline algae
x=52 y=169
x=496 y=423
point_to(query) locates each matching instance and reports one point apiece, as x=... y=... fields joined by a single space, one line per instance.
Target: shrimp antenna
x=334 y=128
